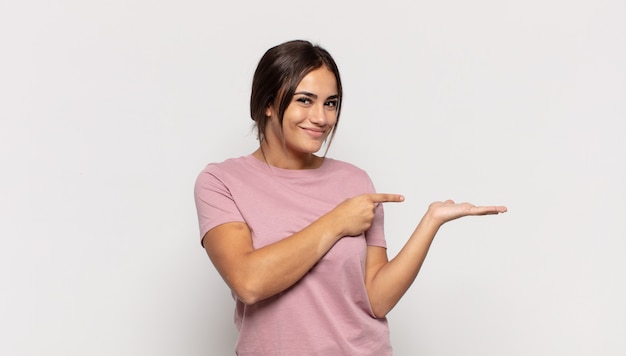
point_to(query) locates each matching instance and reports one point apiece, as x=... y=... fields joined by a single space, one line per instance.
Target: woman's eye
x=304 y=100
x=332 y=103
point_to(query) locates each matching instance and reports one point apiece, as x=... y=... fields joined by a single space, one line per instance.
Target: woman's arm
x=387 y=281
x=254 y=275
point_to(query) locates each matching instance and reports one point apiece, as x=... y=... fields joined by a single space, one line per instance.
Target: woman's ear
x=269 y=111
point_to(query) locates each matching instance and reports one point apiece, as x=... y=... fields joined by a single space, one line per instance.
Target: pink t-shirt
x=327 y=312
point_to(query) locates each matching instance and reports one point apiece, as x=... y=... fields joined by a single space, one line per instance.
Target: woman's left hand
x=443 y=211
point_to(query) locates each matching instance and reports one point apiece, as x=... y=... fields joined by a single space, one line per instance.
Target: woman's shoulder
x=225 y=170
x=228 y=165
x=349 y=176
x=336 y=164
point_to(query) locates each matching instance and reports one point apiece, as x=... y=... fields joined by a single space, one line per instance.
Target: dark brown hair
x=279 y=72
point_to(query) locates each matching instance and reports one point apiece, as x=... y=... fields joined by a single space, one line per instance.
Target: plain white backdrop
x=109 y=110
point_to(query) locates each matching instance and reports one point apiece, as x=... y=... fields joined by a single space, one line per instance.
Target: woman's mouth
x=315 y=133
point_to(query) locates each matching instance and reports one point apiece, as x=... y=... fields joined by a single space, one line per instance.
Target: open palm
x=444 y=211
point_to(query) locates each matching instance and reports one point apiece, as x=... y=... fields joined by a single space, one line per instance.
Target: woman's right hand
x=355 y=215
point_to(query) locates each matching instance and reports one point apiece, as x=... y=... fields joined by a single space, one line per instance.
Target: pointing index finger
x=387 y=198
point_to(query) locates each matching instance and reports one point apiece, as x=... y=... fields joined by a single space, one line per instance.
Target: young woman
x=298 y=237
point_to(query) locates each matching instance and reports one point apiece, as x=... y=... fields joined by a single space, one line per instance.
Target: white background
x=110 y=109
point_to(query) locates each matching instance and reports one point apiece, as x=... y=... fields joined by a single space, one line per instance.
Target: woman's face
x=309 y=117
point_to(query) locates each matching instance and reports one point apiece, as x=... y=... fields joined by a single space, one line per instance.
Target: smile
x=315 y=133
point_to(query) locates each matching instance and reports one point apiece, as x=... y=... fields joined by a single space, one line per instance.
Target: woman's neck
x=282 y=158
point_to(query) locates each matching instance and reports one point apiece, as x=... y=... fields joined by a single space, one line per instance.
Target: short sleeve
x=214 y=202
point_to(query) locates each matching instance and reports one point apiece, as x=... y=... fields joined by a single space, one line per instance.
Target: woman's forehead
x=319 y=81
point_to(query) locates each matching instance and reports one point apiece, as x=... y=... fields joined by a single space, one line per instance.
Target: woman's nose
x=319 y=115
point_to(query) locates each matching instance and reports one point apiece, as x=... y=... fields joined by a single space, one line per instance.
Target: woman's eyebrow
x=314 y=96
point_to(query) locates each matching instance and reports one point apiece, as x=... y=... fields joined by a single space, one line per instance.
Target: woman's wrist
x=431 y=220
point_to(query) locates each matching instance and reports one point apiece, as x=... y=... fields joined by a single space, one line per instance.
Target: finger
x=387 y=198
x=483 y=210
